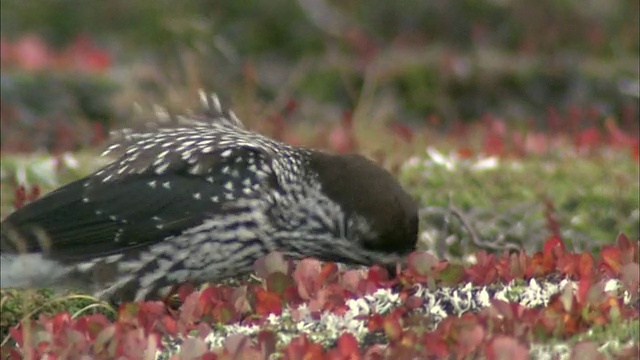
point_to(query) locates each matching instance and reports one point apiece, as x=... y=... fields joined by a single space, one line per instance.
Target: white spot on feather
x=162 y=168
x=195 y=169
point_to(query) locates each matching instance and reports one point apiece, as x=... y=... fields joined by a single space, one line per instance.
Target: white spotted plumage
x=212 y=195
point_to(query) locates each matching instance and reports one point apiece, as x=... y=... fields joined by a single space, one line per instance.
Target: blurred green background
x=407 y=60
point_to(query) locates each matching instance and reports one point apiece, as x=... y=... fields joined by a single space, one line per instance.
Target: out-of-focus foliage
x=454 y=59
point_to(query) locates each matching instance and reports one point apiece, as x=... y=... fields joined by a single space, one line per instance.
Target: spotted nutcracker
x=200 y=201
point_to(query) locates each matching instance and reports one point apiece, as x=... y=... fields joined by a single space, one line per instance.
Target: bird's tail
x=30 y=271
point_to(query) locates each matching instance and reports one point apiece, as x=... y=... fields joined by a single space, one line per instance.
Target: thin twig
x=475 y=237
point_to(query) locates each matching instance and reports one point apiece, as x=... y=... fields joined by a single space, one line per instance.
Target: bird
x=199 y=198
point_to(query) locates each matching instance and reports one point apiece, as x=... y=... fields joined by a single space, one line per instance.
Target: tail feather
x=30 y=271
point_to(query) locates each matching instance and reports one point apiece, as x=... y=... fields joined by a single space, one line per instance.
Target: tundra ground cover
x=517 y=133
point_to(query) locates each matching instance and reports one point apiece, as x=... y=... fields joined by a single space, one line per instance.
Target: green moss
x=19 y=304
x=323 y=85
x=594 y=199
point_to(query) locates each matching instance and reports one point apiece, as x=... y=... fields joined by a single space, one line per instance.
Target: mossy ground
x=505 y=199
x=510 y=59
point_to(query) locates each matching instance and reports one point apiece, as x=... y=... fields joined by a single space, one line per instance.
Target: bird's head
x=380 y=216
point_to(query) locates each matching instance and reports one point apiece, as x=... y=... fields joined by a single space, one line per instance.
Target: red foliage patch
x=502 y=329
x=21 y=196
x=31 y=53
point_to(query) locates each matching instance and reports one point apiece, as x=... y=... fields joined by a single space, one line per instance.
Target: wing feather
x=91 y=217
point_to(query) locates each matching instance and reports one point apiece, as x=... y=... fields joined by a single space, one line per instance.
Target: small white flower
x=489 y=163
x=439 y=159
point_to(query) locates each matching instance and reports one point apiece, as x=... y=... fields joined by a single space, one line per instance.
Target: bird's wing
x=101 y=215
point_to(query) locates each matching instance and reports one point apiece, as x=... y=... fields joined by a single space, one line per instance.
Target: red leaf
x=32 y=54
x=305 y=276
x=34 y=193
x=465 y=152
x=618 y=136
x=104 y=339
x=403 y=131
x=611 y=259
x=267 y=341
x=413 y=302
x=553 y=245
x=236 y=344
x=512 y=266
x=351 y=280
x=170 y=325
x=240 y=301
x=584 y=285
x=568 y=264
x=19 y=197
x=374 y=323
x=192 y=309
x=469 y=334
x=585 y=266
x=435 y=345
x=300 y=348
x=151 y=312
x=588 y=138
x=328 y=273
x=16 y=333
x=506 y=348
x=377 y=274
x=267 y=303
x=91 y=325
x=628 y=248
x=184 y=290
x=484 y=272
x=348 y=346
x=391 y=326
x=536 y=143
x=493 y=145
x=86 y=56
